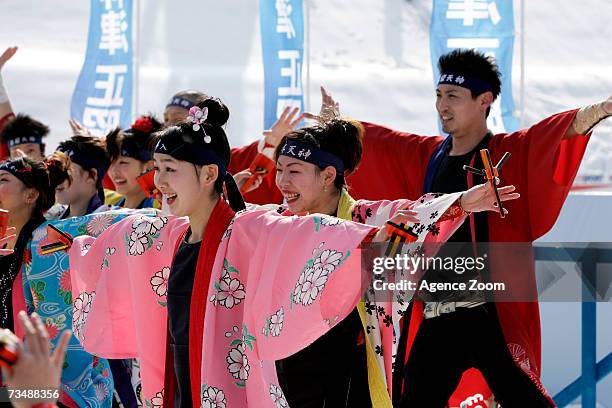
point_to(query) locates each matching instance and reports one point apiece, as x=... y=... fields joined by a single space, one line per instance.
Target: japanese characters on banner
x=488 y=26
x=282 y=40
x=102 y=99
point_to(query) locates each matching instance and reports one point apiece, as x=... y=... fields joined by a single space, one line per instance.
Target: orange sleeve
x=241 y=157
x=266 y=193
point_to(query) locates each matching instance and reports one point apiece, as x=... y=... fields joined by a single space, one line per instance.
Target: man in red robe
x=545 y=159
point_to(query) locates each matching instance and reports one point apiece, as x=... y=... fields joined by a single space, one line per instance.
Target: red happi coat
x=4 y=150
x=267 y=192
x=222 y=215
x=542 y=167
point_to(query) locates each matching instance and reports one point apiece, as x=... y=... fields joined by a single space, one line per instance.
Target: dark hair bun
x=145 y=125
x=344 y=138
x=58 y=167
x=218 y=113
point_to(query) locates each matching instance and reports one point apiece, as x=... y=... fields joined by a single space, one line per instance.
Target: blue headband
x=180 y=102
x=83 y=160
x=18 y=168
x=313 y=155
x=135 y=153
x=190 y=152
x=11 y=167
x=24 y=139
x=129 y=148
x=476 y=85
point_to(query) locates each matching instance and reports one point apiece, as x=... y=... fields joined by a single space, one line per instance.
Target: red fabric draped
x=218 y=222
x=543 y=166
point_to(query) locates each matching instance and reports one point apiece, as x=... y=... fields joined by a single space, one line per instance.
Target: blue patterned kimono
x=86 y=379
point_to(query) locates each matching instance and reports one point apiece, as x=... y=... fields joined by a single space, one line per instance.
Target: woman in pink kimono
x=350 y=366
x=246 y=288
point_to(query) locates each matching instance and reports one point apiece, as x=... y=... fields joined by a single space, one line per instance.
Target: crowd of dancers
x=173 y=270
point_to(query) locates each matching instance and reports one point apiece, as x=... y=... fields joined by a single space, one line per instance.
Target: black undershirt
x=180 y=287
x=452 y=178
x=331 y=372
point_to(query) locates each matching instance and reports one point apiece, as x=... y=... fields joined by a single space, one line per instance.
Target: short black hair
x=89 y=146
x=470 y=62
x=24 y=125
x=95 y=150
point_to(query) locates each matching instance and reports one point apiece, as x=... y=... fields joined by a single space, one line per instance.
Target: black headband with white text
x=476 y=85
x=313 y=155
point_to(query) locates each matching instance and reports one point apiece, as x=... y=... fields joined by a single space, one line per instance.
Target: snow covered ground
x=372 y=55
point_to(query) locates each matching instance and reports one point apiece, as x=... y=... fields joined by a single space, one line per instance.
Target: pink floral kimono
x=269 y=285
x=379 y=315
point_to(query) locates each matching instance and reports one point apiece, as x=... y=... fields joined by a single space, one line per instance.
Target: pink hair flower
x=198 y=116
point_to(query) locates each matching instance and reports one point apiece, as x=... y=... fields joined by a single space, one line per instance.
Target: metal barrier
x=593 y=371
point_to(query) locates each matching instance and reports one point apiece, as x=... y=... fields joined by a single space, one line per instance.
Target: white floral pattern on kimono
x=276 y=306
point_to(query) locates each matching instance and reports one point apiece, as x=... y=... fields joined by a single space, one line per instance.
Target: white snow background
x=373 y=56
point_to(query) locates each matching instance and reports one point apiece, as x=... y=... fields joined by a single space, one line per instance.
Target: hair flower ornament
x=198 y=116
x=143 y=124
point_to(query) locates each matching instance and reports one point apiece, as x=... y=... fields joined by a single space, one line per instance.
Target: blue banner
x=488 y=26
x=282 y=43
x=102 y=99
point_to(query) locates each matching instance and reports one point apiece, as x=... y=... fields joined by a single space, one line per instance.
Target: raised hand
x=330 y=109
x=78 y=129
x=482 y=197
x=285 y=124
x=7 y=55
x=35 y=369
x=242 y=176
x=607 y=105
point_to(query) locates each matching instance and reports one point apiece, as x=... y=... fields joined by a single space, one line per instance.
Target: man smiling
x=436 y=355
